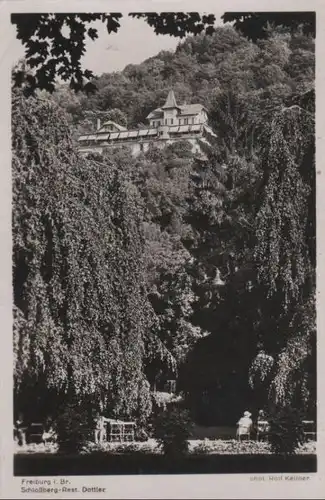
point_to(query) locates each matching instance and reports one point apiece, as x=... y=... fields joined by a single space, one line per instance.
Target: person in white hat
x=244 y=426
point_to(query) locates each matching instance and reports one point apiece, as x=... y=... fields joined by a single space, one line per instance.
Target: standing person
x=263 y=425
x=21 y=430
x=244 y=425
x=100 y=428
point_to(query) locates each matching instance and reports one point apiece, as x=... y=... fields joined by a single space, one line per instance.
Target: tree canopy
x=82 y=314
x=255 y=25
x=55 y=42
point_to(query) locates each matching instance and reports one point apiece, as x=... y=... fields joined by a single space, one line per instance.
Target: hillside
x=207 y=69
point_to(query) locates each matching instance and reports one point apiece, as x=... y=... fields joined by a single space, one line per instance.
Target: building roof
x=170 y=101
x=191 y=109
x=122 y=134
x=156 y=113
x=116 y=125
x=141 y=133
x=185 y=110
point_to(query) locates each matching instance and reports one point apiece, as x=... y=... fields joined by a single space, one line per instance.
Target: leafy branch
x=55 y=43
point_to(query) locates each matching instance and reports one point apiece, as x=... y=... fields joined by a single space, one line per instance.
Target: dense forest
x=129 y=273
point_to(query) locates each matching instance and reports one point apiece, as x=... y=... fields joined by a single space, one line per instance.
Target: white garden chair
x=244 y=426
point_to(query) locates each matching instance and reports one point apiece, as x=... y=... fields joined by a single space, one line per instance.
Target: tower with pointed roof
x=170 y=109
x=170 y=101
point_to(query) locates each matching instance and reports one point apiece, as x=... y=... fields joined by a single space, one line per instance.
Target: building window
x=171 y=121
x=165 y=121
x=153 y=124
x=185 y=121
x=193 y=121
x=141 y=147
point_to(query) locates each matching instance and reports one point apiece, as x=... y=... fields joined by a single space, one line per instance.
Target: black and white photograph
x=163 y=244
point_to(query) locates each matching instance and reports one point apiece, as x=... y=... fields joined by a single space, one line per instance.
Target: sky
x=134 y=42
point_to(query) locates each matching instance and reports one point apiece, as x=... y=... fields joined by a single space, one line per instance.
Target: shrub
x=203 y=448
x=72 y=428
x=172 y=428
x=286 y=431
x=230 y=447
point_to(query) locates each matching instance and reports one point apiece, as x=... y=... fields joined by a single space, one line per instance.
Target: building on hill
x=168 y=124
